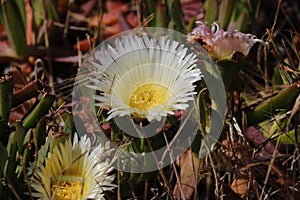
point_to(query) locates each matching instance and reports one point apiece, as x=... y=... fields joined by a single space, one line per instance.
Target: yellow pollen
x=149 y=95
x=67 y=190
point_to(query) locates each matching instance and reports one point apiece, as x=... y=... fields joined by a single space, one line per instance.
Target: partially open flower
x=220 y=43
x=144 y=77
x=73 y=172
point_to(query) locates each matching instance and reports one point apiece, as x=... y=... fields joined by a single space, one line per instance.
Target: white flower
x=73 y=172
x=143 y=77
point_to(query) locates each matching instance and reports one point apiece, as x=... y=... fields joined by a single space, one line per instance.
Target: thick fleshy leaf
x=283 y=100
x=41 y=109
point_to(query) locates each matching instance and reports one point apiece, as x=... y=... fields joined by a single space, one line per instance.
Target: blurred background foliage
x=43 y=42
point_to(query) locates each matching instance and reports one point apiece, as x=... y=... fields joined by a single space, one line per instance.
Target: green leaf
x=226 y=9
x=160 y=18
x=69 y=126
x=41 y=157
x=6 y=92
x=20 y=136
x=12 y=149
x=14 y=22
x=44 y=151
x=211 y=8
x=278 y=130
x=41 y=109
x=3 y=158
x=151 y=9
x=280 y=77
x=40 y=132
x=21 y=8
x=289 y=137
x=283 y=100
x=229 y=70
x=203 y=110
x=241 y=16
x=39 y=11
x=176 y=16
x=191 y=25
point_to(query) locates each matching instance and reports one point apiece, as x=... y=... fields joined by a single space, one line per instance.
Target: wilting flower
x=73 y=172
x=144 y=77
x=220 y=43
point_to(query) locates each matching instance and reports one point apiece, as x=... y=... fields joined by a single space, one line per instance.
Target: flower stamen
x=67 y=190
x=148 y=96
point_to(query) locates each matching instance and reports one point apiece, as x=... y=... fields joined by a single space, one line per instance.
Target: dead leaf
x=114 y=9
x=257 y=138
x=67 y=59
x=63 y=6
x=116 y=6
x=19 y=75
x=19 y=112
x=132 y=19
x=112 y=30
x=29 y=22
x=189 y=168
x=1 y=27
x=6 y=52
x=87 y=7
x=124 y=24
x=240 y=186
x=84 y=45
x=192 y=9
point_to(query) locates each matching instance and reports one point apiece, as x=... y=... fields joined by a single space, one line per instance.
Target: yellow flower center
x=67 y=190
x=149 y=95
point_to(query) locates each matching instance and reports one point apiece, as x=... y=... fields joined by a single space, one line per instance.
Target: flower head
x=220 y=43
x=73 y=172
x=144 y=77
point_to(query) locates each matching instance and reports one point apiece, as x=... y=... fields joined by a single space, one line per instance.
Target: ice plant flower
x=73 y=172
x=220 y=43
x=147 y=78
